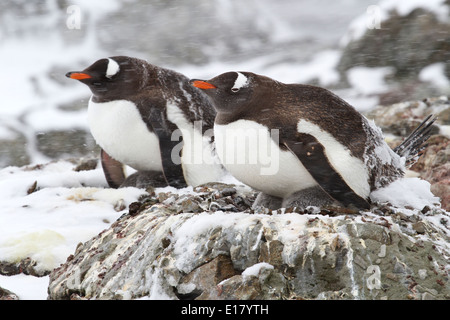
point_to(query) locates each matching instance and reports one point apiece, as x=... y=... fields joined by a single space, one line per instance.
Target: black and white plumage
x=326 y=152
x=145 y=116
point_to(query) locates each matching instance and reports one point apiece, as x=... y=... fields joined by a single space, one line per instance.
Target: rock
x=419 y=227
x=26 y=266
x=58 y=143
x=86 y=164
x=201 y=282
x=13 y=150
x=394 y=45
x=401 y=118
x=161 y=252
x=428 y=296
x=7 y=295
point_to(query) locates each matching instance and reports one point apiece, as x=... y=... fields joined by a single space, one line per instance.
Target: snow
x=26 y=287
x=406 y=192
x=368 y=80
x=435 y=73
x=67 y=208
x=377 y=13
x=70 y=207
x=256 y=269
x=37 y=119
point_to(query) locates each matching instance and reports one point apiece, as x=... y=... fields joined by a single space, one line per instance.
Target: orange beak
x=78 y=75
x=203 y=84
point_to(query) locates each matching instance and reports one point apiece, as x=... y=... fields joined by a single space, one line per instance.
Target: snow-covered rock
x=405 y=41
x=157 y=252
x=48 y=209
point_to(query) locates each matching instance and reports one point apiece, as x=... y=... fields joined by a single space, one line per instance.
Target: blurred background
x=368 y=52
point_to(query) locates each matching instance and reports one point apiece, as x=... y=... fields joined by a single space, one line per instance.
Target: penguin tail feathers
x=412 y=148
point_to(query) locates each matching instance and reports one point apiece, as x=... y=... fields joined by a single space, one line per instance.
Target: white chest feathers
x=248 y=151
x=118 y=129
x=199 y=161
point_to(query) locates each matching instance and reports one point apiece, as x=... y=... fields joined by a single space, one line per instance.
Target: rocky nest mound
x=209 y=244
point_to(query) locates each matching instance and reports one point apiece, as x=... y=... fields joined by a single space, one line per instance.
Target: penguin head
x=111 y=78
x=229 y=91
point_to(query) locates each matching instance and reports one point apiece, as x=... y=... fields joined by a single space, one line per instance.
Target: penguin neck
x=196 y=104
x=247 y=110
x=99 y=99
x=229 y=117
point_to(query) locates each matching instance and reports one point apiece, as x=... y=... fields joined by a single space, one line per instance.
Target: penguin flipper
x=312 y=155
x=112 y=169
x=173 y=172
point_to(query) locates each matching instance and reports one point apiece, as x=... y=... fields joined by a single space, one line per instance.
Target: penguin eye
x=235 y=89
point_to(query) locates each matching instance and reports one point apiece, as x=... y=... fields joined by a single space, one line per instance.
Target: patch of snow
x=322 y=66
x=405 y=7
x=406 y=192
x=47 y=224
x=38 y=119
x=445 y=130
x=360 y=102
x=435 y=73
x=368 y=80
x=6 y=133
x=26 y=287
x=256 y=269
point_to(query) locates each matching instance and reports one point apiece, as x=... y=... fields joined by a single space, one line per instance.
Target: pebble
x=428 y=296
x=422 y=273
x=419 y=227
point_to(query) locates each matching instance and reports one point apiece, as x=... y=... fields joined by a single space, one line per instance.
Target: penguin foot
x=145 y=179
x=314 y=196
x=267 y=201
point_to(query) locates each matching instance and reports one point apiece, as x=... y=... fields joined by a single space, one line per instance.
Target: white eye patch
x=113 y=68
x=240 y=82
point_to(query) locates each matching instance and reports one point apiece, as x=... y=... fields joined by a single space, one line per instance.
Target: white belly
x=248 y=152
x=200 y=164
x=118 y=129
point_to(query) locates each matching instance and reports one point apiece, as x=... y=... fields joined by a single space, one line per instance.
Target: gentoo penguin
x=144 y=116
x=301 y=145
